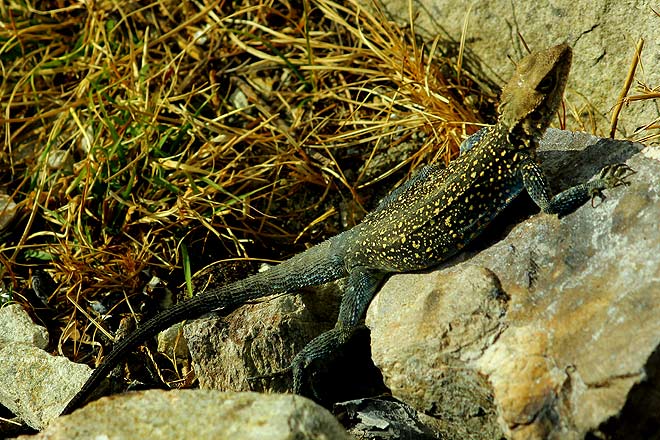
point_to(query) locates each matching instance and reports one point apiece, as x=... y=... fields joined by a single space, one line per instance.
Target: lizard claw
x=310 y=361
x=616 y=174
x=611 y=176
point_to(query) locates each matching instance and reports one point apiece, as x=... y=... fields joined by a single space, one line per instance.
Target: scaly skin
x=424 y=222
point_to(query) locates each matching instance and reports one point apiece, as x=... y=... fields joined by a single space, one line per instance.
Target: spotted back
x=445 y=212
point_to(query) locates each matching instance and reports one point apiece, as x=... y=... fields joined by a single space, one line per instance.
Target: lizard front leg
x=570 y=199
x=362 y=286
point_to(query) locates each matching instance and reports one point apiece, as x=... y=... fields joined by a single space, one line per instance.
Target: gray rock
x=202 y=414
x=426 y=331
x=17 y=326
x=172 y=342
x=603 y=35
x=258 y=339
x=580 y=328
x=380 y=419
x=35 y=385
x=8 y=210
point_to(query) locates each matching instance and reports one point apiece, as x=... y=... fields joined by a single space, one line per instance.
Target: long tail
x=320 y=264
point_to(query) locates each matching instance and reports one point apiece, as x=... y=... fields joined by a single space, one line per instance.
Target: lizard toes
x=616 y=175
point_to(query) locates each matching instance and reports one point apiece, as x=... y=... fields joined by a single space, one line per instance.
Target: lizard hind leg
x=362 y=286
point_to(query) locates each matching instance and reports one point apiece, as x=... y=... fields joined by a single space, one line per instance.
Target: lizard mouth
x=537 y=122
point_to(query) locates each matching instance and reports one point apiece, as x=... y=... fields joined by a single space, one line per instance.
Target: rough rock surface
x=17 y=326
x=426 y=329
x=34 y=385
x=172 y=343
x=199 y=414
x=603 y=36
x=255 y=340
x=579 y=329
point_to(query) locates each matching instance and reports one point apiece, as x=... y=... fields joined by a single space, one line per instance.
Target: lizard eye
x=547 y=84
x=536 y=116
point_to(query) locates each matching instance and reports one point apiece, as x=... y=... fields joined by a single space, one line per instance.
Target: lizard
x=420 y=224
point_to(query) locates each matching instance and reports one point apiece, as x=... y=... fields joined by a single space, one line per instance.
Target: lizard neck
x=513 y=138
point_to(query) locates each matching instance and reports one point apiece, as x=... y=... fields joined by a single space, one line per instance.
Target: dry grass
x=648 y=133
x=143 y=138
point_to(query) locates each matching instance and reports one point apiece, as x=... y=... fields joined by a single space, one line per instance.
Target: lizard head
x=532 y=96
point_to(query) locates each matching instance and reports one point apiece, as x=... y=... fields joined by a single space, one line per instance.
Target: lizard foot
x=313 y=359
x=299 y=368
x=611 y=176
